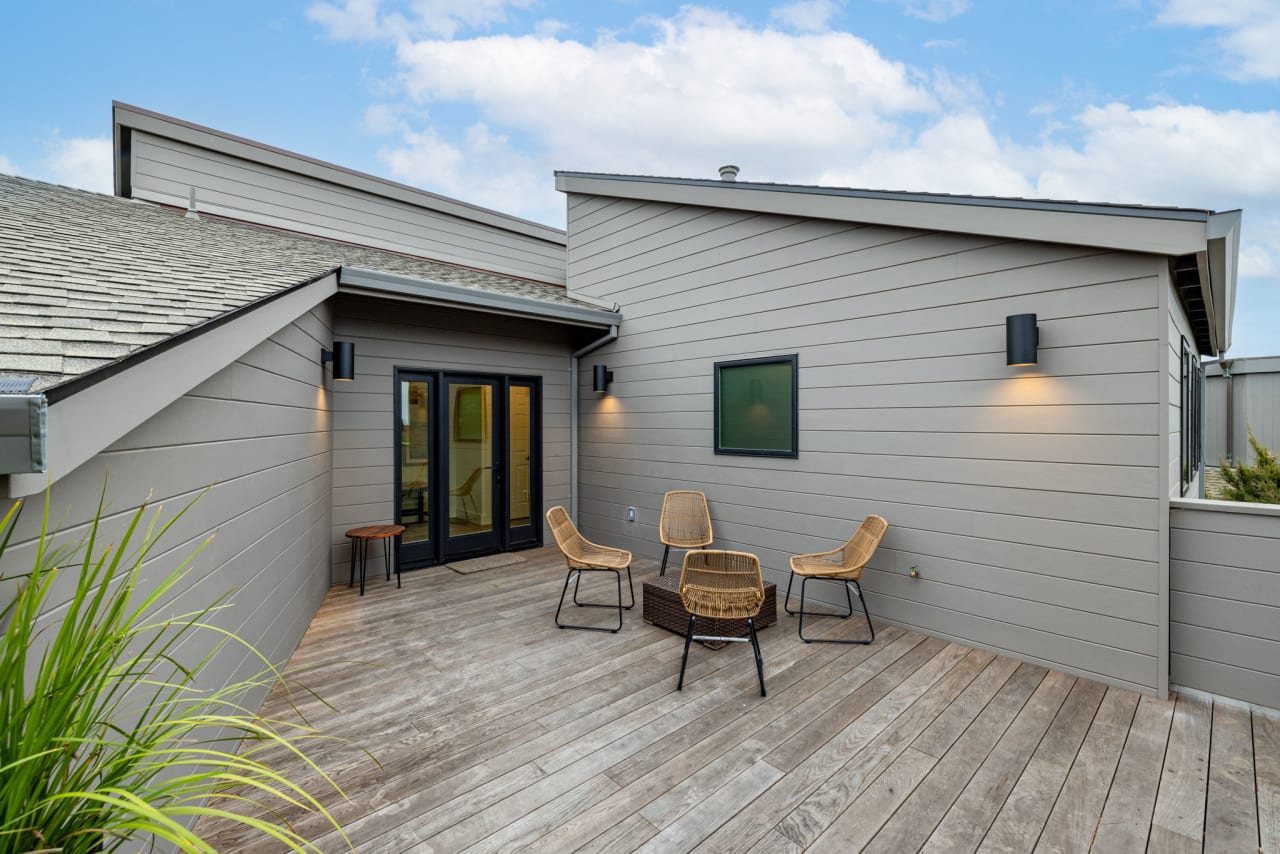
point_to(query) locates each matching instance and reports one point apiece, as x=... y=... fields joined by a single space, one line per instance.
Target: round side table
x=360 y=538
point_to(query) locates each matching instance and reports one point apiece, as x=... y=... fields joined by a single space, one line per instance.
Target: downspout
x=608 y=337
x=1231 y=412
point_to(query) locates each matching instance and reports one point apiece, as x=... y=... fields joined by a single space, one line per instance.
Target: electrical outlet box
x=631 y=514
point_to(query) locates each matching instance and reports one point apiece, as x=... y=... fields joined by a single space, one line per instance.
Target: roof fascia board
x=352 y=279
x=127 y=116
x=1223 y=250
x=88 y=422
x=1210 y=306
x=1164 y=232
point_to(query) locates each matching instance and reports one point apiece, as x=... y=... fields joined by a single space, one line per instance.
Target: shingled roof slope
x=87 y=279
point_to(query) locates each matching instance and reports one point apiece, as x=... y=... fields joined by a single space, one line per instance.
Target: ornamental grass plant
x=107 y=740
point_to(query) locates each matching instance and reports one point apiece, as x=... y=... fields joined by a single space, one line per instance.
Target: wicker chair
x=844 y=565
x=582 y=555
x=721 y=585
x=685 y=523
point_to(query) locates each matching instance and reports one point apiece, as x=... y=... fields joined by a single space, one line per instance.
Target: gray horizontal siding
x=164 y=170
x=1029 y=500
x=1224 y=607
x=1257 y=407
x=393 y=335
x=256 y=437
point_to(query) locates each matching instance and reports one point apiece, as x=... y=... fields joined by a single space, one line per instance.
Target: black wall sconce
x=601 y=378
x=1021 y=338
x=343 y=356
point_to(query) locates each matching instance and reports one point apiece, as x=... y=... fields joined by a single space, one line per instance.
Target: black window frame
x=794 y=361
x=1191 y=418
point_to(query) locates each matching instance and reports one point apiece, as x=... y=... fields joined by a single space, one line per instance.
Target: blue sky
x=1149 y=101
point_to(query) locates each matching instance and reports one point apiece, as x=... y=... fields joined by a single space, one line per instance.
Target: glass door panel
x=474 y=468
x=413 y=464
x=520 y=433
x=522 y=463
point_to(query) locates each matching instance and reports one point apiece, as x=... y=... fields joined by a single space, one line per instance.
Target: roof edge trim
x=1222 y=232
x=124 y=363
x=1104 y=208
x=458 y=295
x=1162 y=231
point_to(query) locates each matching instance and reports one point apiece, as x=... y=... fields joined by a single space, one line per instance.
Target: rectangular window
x=1192 y=416
x=756 y=408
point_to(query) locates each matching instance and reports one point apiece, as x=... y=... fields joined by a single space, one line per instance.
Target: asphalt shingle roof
x=86 y=279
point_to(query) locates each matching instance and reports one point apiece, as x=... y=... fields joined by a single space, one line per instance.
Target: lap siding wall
x=1225 y=599
x=1029 y=498
x=256 y=435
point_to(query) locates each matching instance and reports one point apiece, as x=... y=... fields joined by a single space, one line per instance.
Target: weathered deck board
x=498 y=732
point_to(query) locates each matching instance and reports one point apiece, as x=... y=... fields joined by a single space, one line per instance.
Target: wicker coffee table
x=663 y=608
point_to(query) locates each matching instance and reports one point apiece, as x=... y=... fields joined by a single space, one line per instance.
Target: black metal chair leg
x=849 y=596
x=786 y=603
x=865 y=612
x=386 y=556
x=688 y=641
x=666 y=550
x=575 y=575
x=631 y=588
x=352 y=580
x=755 y=645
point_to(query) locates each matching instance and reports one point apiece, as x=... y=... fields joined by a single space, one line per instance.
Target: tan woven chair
x=844 y=565
x=582 y=555
x=721 y=585
x=685 y=523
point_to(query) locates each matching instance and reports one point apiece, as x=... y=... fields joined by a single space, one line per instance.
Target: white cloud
x=806 y=16
x=482 y=168
x=958 y=154
x=80 y=162
x=934 y=44
x=1179 y=154
x=383 y=119
x=354 y=20
x=363 y=20
x=7 y=166
x=934 y=10
x=706 y=89
x=1251 y=32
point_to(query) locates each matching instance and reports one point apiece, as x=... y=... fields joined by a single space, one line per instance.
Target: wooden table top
x=375 y=532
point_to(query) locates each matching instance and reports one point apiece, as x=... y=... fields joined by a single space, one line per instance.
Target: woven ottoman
x=663 y=608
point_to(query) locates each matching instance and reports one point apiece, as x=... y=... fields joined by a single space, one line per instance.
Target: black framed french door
x=467 y=464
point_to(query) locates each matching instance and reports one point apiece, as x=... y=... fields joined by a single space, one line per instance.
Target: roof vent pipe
x=191 y=205
x=729 y=173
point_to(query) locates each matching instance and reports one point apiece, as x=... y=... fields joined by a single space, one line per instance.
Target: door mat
x=480 y=564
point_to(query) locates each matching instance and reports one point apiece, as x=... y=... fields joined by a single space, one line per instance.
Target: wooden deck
x=498 y=732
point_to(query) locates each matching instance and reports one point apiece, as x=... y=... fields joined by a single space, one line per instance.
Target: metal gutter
x=608 y=338
x=23 y=433
x=358 y=280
